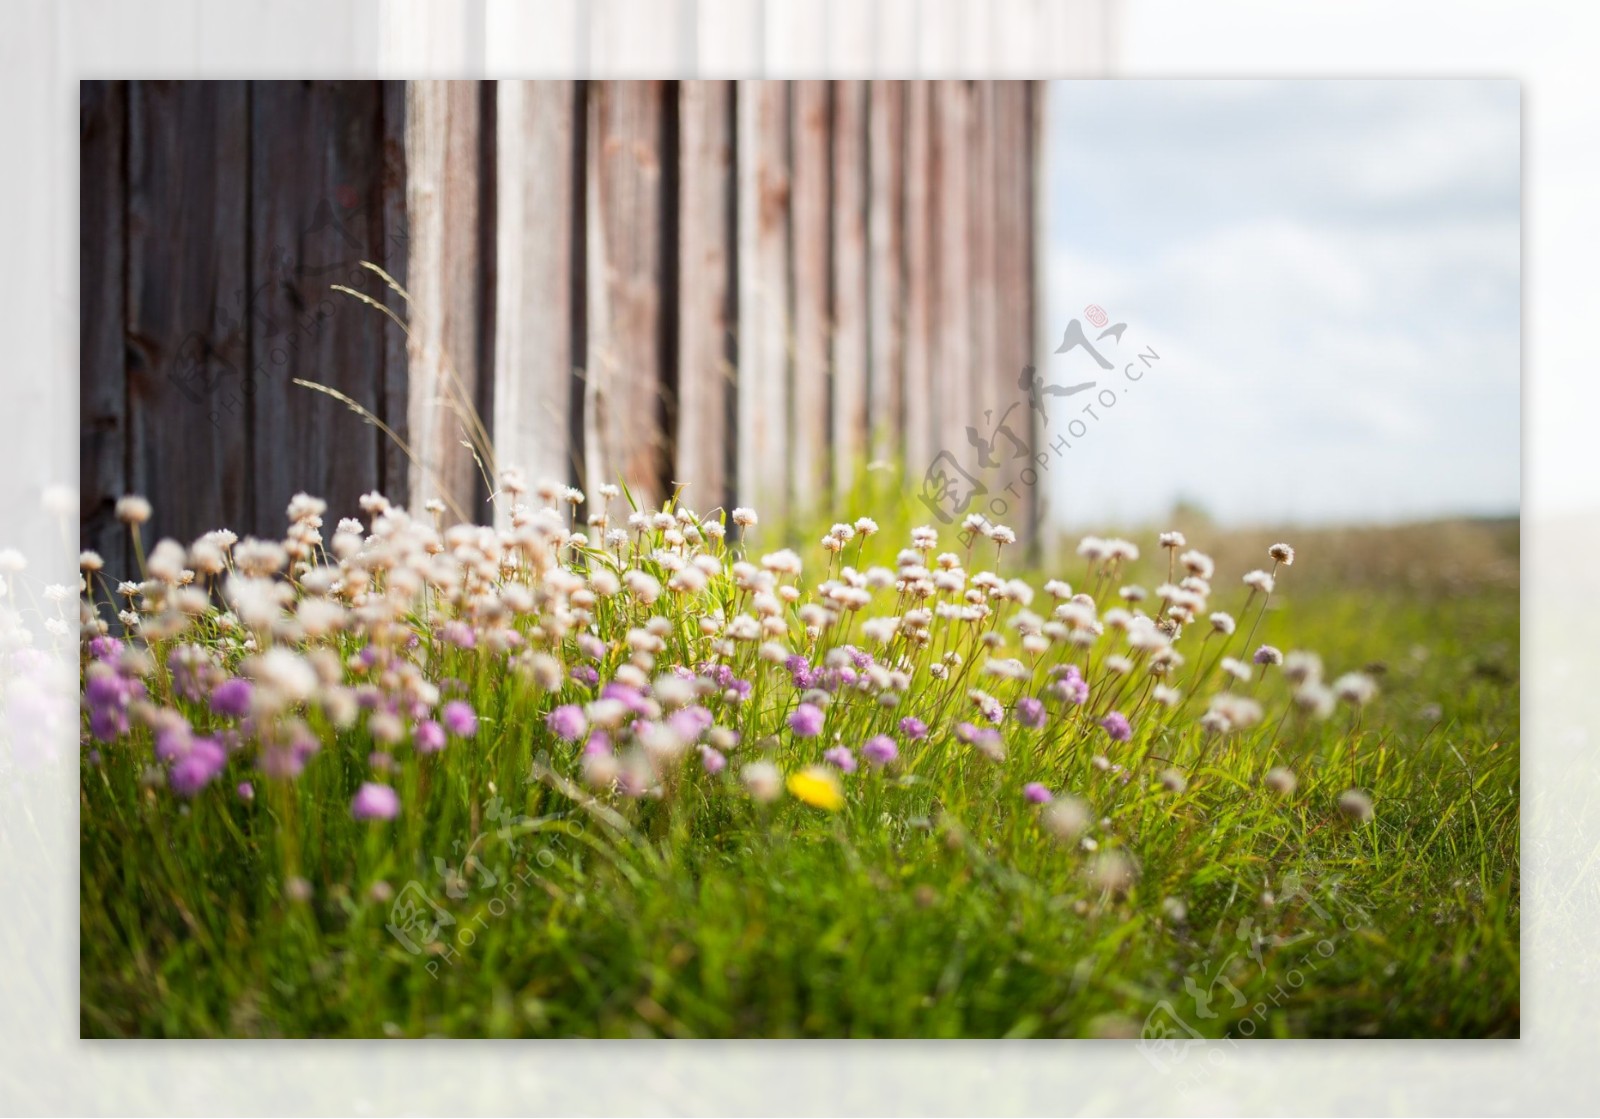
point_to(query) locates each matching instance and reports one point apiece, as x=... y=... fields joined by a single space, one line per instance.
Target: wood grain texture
x=1013 y=329
x=102 y=377
x=189 y=307
x=763 y=206
x=745 y=287
x=953 y=389
x=920 y=433
x=707 y=290
x=628 y=373
x=809 y=387
x=534 y=359
x=886 y=314
x=986 y=414
x=316 y=212
x=851 y=307
x=442 y=195
x=394 y=479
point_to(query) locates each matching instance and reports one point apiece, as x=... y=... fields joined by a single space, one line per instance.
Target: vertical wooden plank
x=809 y=389
x=628 y=374
x=995 y=464
x=850 y=302
x=920 y=435
x=316 y=212
x=706 y=290
x=1035 y=98
x=763 y=256
x=102 y=376
x=886 y=287
x=1010 y=170
x=394 y=259
x=953 y=397
x=534 y=298
x=189 y=379
x=442 y=154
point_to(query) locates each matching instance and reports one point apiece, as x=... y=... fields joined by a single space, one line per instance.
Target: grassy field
x=530 y=884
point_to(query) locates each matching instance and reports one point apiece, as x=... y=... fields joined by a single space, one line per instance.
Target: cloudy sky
x=1329 y=273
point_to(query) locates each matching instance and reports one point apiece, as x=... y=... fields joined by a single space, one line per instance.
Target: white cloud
x=1333 y=288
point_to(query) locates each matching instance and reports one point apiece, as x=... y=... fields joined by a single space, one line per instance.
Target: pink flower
x=459 y=719
x=1117 y=726
x=375 y=802
x=806 y=722
x=430 y=737
x=880 y=750
x=841 y=757
x=567 y=722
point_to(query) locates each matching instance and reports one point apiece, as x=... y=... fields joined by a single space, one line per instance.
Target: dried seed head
x=133 y=509
x=1281 y=780
x=1356 y=805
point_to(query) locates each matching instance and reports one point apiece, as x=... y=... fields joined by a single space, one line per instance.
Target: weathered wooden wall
x=752 y=289
x=215 y=217
x=749 y=289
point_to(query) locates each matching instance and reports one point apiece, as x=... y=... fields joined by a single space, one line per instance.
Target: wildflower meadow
x=600 y=770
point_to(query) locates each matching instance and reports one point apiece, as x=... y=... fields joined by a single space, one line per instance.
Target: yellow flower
x=817 y=787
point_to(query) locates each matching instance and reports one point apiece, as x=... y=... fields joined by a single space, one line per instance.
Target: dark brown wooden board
x=102 y=376
x=188 y=306
x=317 y=211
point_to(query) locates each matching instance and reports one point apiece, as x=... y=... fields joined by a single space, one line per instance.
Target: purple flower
x=460 y=634
x=287 y=759
x=430 y=737
x=375 y=802
x=173 y=741
x=246 y=791
x=585 y=674
x=880 y=750
x=191 y=670
x=599 y=743
x=231 y=698
x=841 y=757
x=1071 y=687
x=806 y=721
x=459 y=719
x=690 y=723
x=712 y=759
x=105 y=648
x=913 y=728
x=1035 y=793
x=198 y=766
x=103 y=690
x=107 y=695
x=629 y=697
x=801 y=672
x=107 y=723
x=567 y=722
x=1117 y=726
x=1030 y=712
